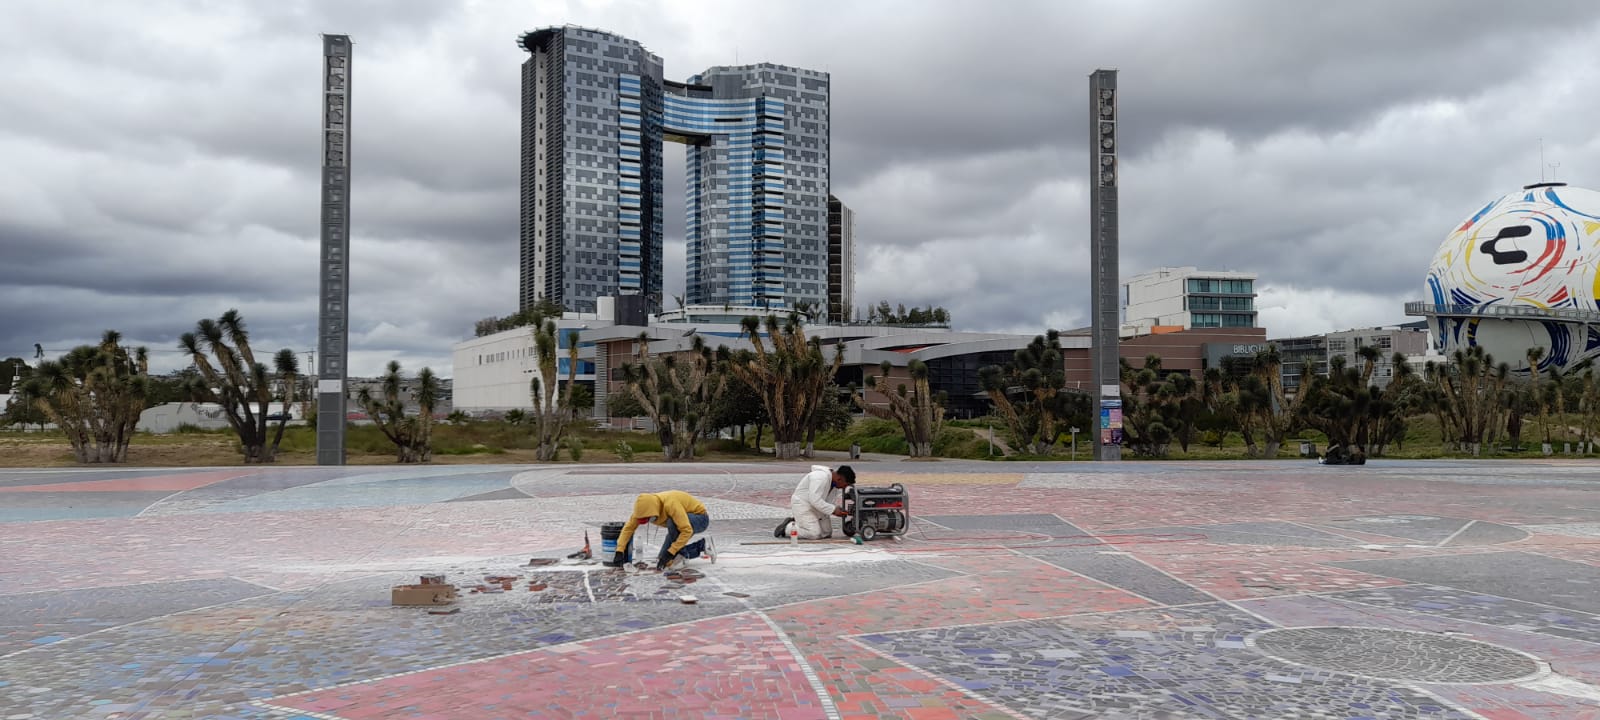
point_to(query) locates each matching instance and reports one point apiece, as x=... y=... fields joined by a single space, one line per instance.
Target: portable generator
x=874 y=511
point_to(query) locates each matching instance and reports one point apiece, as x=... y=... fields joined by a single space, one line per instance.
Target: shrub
x=575 y=448
x=624 y=451
x=959 y=443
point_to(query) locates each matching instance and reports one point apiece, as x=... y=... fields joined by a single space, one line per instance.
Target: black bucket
x=609 y=533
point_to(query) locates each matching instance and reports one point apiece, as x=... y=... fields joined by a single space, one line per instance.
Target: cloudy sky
x=158 y=160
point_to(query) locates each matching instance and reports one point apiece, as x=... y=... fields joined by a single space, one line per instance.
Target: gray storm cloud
x=160 y=158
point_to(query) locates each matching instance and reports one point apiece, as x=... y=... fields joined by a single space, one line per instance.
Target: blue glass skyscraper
x=596 y=111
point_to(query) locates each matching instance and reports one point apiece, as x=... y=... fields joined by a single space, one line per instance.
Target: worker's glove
x=662 y=564
x=618 y=559
x=840 y=513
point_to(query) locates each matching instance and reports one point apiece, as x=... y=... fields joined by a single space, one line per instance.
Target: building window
x=1231 y=287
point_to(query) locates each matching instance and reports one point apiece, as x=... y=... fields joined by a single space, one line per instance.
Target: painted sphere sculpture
x=1534 y=252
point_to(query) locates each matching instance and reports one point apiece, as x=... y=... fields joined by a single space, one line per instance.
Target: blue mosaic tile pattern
x=1184 y=662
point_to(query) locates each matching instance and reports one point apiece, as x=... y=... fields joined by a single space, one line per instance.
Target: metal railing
x=1502 y=311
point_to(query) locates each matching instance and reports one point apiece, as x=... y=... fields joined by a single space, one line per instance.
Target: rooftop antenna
x=1541 y=160
x=1553 y=167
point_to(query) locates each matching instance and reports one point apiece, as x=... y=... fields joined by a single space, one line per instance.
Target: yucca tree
x=679 y=394
x=918 y=411
x=1469 y=398
x=1534 y=355
x=552 y=408
x=1030 y=393
x=791 y=377
x=1587 y=392
x=95 y=394
x=1342 y=405
x=1396 y=402
x=1277 y=414
x=1160 y=407
x=412 y=435
x=231 y=377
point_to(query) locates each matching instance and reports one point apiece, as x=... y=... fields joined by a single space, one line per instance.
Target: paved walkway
x=1136 y=590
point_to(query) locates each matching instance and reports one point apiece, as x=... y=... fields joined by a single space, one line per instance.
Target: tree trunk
x=922 y=449
x=786 y=450
x=1272 y=450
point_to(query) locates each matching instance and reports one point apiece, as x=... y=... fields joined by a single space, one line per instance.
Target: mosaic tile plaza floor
x=1280 y=590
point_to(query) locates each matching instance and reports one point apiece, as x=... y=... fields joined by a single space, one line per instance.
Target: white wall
x=493 y=372
x=167 y=417
x=1155 y=298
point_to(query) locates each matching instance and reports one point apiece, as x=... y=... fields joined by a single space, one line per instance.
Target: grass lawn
x=499 y=442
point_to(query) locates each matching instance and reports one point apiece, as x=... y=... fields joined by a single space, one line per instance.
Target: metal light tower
x=1104 y=279
x=333 y=301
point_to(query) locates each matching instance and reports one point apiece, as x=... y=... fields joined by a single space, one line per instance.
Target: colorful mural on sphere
x=1539 y=248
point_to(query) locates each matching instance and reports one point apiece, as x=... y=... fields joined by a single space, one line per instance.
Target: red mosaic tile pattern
x=136 y=483
x=1512 y=703
x=1003 y=587
x=1575 y=549
x=866 y=686
x=1235 y=573
x=724 y=668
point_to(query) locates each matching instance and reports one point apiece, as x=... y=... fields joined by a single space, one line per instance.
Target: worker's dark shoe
x=783 y=528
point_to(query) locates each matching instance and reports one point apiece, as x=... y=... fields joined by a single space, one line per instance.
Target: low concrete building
x=492 y=373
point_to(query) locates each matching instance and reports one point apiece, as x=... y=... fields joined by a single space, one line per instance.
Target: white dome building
x=1519 y=273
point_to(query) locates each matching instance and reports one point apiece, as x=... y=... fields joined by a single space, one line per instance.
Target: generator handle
x=905 y=507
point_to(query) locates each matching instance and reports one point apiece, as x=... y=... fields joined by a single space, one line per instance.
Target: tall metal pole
x=1104 y=278
x=333 y=314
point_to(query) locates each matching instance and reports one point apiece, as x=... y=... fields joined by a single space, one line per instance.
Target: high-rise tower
x=595 y=113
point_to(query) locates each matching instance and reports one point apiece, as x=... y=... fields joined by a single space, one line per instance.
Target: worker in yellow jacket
x=681 y=514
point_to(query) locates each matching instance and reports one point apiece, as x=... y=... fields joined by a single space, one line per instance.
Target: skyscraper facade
x=596 y=111
x=841 y=260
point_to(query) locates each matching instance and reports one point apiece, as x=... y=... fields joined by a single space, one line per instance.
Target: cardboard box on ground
x=428 y=594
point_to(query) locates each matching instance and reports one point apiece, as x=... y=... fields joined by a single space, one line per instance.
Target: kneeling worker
x=813 y=514
x=681 y=514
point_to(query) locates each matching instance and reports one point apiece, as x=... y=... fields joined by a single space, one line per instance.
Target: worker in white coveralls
x=813 y=514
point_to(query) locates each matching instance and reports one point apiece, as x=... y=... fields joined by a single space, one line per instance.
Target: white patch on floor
x=617 y=508
x=1563 y=685
x=1567 y=529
